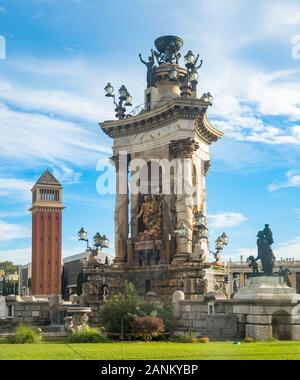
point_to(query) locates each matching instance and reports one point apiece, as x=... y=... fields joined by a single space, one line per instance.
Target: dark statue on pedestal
x=150 y=69
x=265 y=253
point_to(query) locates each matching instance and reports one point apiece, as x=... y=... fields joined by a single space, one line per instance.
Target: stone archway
x=281 y=325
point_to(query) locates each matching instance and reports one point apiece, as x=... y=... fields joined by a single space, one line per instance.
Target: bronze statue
x=253 y=264
x=285 y=273
x=265 y=253
x=150 y=69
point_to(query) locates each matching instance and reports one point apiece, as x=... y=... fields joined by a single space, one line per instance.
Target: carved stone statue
x=151 y=211
x=236 y=283
x=150 y=69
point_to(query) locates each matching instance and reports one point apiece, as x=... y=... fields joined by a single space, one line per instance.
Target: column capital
x=207 y=165
x=115 y=160
x=183 y=148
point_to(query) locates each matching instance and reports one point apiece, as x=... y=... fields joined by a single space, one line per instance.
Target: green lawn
x=155 y=350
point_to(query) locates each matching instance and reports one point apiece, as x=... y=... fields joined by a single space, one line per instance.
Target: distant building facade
x=46 y=235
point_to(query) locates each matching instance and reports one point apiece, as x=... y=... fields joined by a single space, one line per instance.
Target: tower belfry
x=46 y=235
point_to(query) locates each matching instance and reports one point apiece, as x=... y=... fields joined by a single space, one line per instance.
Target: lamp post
x=200 y=229
x=125 y=99
x=100 y=241
x=221 y=242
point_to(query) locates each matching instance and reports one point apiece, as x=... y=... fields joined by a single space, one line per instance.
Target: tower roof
x=47 y=178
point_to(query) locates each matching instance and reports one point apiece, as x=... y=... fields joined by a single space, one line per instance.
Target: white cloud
x=27 y=137
x=19 y=256
x=293 y=180
x=9 y=231
x=15 y=188
x=289 y=250
x=66 y=175
x=57 y=102
x=226 y=219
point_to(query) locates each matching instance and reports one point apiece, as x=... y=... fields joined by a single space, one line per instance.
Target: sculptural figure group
x=264 y=253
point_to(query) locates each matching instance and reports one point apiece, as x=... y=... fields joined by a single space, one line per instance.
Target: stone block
x=35 y=313
x=259 y=332
x=241 y=309
x=295 y=332
x=259 y=319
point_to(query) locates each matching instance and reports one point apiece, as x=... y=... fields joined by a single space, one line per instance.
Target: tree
x=147 y=327
x=8 y=267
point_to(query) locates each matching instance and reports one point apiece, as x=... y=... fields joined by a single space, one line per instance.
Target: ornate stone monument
x=266 y=306
x=161 y=157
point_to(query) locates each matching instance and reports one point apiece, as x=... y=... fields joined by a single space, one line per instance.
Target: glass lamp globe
x=82 y=234
x=123 y=93
x=190 y=58
x=203 y=231
x=129 y=100
x=97 y=240
x=224 y=238
x=219 y=243
x=173 y=74
x=109 y=90
x=105 y=241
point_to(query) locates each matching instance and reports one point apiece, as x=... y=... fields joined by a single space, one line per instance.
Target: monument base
x=268 y=309
x=267 y=288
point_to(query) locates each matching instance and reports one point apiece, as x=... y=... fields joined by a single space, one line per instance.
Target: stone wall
x=208 y=319
x=28 y=309
x=2 y=307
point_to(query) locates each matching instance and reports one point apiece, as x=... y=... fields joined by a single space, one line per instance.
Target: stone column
x=183 y=151
x=121 y=207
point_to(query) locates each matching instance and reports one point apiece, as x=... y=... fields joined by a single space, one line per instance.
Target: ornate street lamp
x=221 y=242
x=200 y=229
x=83 y=236
x=125 y=99
x=100 y=241
x=207 y=98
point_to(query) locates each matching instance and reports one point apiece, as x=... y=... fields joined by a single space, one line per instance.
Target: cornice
x=205 y=130
x=176 y=109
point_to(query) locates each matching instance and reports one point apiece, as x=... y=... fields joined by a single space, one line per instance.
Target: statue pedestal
x=267 y=289
x=267 y=308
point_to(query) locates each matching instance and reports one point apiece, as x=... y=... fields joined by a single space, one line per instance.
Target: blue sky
x=60 y=55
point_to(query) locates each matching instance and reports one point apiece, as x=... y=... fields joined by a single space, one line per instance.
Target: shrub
x=87 y=335
x=120 y=307
x=163 y=309
x=25 y=334
x=128 y=305
x=204 y=339
x=147 y=327
x=185 y=337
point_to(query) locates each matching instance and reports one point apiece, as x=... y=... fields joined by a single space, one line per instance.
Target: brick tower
x=46 y=235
